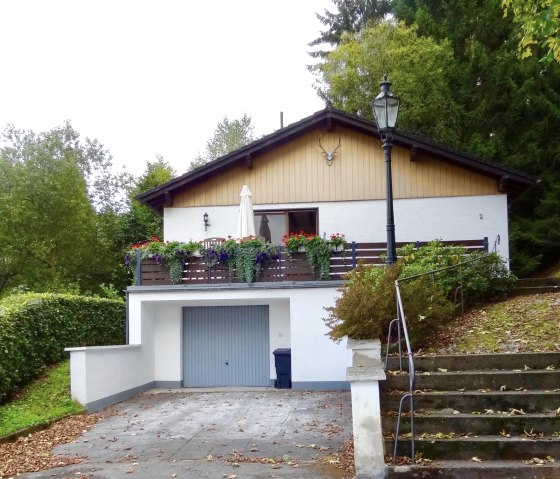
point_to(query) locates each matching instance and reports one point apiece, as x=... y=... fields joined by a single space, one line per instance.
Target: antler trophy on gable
x=329 y=155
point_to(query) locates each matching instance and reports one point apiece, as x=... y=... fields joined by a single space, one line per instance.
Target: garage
x=226 y=346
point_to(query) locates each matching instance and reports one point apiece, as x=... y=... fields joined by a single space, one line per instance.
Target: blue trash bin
x=283 y=363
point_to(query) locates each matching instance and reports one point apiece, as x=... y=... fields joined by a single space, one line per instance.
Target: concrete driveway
x=213 y=435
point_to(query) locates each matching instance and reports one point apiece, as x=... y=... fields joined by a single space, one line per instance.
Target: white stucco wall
x=279 y=329
x=168 y=334
x=103 y=375
x=103 y=372
x=295 y=320
x=167 y=342
x=449 y=218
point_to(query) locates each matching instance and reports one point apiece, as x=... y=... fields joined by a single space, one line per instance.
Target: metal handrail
x=401 y=321
x=402 y=330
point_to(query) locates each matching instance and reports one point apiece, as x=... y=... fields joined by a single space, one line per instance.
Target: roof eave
x=512 y=181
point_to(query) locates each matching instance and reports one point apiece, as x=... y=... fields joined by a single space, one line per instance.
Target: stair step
x=477 y=424
x=530 y=401
x=479 y=362
x=492 y=380
x=475 y=470
x=482 y=447
x=460 y=413
x=524 y=282
x=528 y=290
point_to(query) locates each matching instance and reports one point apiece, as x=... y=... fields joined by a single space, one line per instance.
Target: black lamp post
x=386 y=108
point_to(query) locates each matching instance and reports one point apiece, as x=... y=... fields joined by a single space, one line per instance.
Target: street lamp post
x=386 y=109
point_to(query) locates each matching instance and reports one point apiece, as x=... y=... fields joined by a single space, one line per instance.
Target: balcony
x=287 y=268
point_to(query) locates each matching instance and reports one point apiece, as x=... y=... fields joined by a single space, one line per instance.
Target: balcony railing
x=285 y=268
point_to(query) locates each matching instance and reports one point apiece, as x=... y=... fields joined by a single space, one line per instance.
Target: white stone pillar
x=364 y=377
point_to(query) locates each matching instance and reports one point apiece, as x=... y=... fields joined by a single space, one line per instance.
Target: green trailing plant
x=318 y=253
x=35 y=329
x=248 y=258
x=245 y=259
x=170 y=254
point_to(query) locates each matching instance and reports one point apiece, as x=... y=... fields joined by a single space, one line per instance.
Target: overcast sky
x=156 y=77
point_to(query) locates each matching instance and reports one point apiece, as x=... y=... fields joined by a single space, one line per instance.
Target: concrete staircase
x=536 y=285
x=478 y=416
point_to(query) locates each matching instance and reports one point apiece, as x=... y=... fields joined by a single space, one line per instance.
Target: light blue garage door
x=226 y=346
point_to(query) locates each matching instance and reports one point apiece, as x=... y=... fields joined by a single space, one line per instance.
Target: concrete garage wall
x=168 y=345
x=279 y=328
x=317 y=362
x=168 y=348
x=448 y=218
x=295 y=321
x=104 y=375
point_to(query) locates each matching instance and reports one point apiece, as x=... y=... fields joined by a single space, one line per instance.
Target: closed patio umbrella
x=246 y=226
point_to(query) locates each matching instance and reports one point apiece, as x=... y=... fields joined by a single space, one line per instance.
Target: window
x=273 y=225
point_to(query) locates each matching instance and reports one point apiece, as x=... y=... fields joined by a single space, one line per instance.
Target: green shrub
x=486 y=279
x=368 y=303
x=426 y=306
x=35 y=329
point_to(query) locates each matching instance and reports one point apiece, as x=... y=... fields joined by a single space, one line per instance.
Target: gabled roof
x=510 y=180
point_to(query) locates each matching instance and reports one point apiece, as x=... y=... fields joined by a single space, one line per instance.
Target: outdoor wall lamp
x=206 y=224
x=386 y=109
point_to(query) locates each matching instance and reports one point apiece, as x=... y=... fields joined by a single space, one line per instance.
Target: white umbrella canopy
x=246 y=225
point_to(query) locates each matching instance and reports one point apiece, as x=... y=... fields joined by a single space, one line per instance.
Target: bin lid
x=282 y=351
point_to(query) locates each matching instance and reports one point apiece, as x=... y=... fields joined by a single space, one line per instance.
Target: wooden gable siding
x=297 y=172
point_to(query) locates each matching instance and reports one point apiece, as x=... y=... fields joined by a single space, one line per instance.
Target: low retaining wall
x=105 y=375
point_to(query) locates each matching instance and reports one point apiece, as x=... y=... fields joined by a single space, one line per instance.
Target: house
x=324 y=174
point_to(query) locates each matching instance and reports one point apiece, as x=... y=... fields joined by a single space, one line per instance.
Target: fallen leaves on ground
x=237 y=457
x=344 y=458
x=535 y=461
x=419 y=460
x=33 y=452
x=518 y=324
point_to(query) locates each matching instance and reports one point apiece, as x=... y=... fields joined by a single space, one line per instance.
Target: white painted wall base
x=364 y=377
x=105 y=375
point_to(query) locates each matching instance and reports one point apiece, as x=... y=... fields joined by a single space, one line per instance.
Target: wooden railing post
x=485 y=244
x=354 y=259
x=138 y=267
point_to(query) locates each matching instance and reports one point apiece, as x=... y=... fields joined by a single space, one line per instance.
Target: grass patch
x=519 y=324
x=44 y=400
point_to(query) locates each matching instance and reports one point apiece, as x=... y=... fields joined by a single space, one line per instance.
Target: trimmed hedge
x=35 y=329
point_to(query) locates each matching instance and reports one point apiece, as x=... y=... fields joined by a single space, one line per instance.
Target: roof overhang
x=510 y=181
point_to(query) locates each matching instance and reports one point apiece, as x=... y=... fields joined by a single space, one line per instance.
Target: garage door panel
x=226 y=346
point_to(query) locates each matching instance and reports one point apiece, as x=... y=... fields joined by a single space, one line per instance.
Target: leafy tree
x=501 y=108
x=511 y=111
x=540 y=26
x=50 y=186
x=228 y=136
x=140 y=222
x=418 y=67
x=352 y=17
